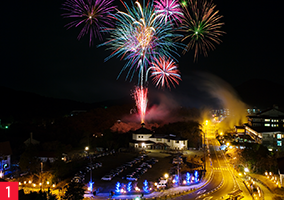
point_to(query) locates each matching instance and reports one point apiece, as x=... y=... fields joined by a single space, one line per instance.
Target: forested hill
x=19 y=105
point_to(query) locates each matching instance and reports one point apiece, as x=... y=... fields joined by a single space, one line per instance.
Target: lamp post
x=206 y=123
x=41 y=170
x=91 y=179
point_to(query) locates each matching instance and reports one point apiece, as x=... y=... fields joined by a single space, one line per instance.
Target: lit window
x=274 y=120
x=279 y=136
x=274 y=125
x=267 y=120
x=159 y=139
x=266 y=124
x=279 y=143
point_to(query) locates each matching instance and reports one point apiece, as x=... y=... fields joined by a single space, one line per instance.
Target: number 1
x=8 y=188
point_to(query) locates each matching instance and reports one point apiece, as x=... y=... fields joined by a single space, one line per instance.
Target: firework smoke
x=227 y=98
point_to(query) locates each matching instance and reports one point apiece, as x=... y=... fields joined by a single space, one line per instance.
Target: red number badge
x=9 y=190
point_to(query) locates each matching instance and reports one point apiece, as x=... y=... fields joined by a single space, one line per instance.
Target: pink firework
x=140 y=95
x=169 y=10
x=164 y=72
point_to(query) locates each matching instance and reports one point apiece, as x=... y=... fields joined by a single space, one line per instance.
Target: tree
x=28 y=160
x=74 y=191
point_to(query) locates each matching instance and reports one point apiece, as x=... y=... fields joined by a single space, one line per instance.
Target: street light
x=87 y=148
x=166 y=176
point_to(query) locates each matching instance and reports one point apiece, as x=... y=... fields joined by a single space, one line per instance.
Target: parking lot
x=111 y=162
x=135 y=167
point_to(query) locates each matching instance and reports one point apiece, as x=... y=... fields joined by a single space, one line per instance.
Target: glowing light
x=145 y=187
x=188 y=176
x=87 y=148
x=54 y=186
x=47 y=182
x=129 y=187
x=30 y=182
x=166 y=176
x=117 y=187
x=1 y=174
x=246 y=169
x=176 y=180
x=91 y=186
x=93 y=15
x=140 y=96
x=196 y=176
x=184 y=3
x=202 y=25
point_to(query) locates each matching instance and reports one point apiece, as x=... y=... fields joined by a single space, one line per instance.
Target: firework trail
x=169 y=9
x=93 y=15
x=139 y=37
x=202 y=26
x=140 y=96
x=164 y=72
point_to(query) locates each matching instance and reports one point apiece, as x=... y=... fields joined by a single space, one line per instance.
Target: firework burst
x=164 y=72
x=93 y=15
x=139 y=37
x=202 y=26
x=169 y=9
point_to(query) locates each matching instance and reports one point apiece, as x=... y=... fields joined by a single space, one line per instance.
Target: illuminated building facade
x=267 y=127
x=146 y=139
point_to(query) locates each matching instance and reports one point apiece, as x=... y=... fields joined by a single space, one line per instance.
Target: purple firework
x=93 y=15
x=169 y=10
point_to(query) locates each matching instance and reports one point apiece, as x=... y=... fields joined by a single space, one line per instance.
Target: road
x=223 y=180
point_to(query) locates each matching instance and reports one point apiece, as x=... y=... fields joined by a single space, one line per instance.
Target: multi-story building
x=267 y=127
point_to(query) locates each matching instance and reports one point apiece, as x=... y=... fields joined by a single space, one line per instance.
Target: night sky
x=43 y=57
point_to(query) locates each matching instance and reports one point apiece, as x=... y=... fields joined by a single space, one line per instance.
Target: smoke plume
x=226 y=97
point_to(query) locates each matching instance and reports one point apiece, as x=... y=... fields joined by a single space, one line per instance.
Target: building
x=43 y=156
x=5 y=155
x=144 y=138
x=267 y=128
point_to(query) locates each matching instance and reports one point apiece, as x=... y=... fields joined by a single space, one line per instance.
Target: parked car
x=162 y=184
x=129 y=164
x=133 y=178
x=107 y=177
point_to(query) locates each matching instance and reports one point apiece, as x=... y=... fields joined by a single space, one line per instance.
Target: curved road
x=223 y=180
